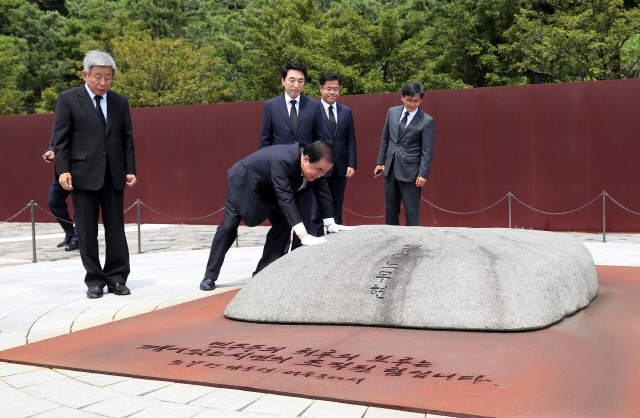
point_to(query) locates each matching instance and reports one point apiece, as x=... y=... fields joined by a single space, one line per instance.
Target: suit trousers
x=58 y=205
x=337 y=185
x=274 y=248
x=87 y=205
x=396 y=191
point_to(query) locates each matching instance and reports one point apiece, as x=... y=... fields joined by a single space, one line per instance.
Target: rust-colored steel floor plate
x=587 y=365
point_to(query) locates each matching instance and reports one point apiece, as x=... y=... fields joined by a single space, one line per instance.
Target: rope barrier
x=614 y=201
x=466 y=213
x=352 y=212
x=23 y=209
x=179 y=219
x=557 y=213
x=51 y=214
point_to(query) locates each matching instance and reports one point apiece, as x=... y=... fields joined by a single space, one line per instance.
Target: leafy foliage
x=173 y=52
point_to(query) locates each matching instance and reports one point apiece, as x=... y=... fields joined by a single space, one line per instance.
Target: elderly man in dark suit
x=406 y=153
x=264 y=185
x=95 y=159
x=291 y=118
x=338 y=131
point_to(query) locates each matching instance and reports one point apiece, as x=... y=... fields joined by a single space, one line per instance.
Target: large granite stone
x=439 y=278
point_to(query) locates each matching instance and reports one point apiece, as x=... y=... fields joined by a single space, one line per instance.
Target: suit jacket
x=343 y=141
x=269 y=178
x=412 y=151
x=276 y=128
x=83 y=145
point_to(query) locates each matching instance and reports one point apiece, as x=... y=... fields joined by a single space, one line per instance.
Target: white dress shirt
x=288 y=100
x=103 y=102
x=326 y=109
x=411 y=115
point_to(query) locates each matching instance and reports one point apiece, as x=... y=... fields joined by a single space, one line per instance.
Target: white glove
x=333 y=228
x=309 y=240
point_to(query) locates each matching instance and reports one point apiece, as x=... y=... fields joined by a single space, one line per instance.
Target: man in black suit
x=58 y=205
x=292 y=118
x=339 y=132
x=95 y=157
x=264 y=185
x=406 y=153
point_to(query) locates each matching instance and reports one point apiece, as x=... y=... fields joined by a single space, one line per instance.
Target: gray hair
x=98 y=59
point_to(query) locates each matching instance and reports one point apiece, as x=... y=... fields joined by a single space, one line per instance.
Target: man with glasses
x=406 y=153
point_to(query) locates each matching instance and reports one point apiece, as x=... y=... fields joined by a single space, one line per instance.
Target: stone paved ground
x=46 y=299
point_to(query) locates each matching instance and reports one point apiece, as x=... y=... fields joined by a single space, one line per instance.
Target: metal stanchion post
x=139 y=242
x=33 y=230
x=237 y=244
x=509 y=210
x=604 y=216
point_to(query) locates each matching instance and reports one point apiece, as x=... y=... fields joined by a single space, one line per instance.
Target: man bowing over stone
x=265 y=185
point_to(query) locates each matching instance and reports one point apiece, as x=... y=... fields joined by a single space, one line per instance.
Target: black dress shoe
x=94 y=292
x=119 y=289
x=73 y=245
x=64 y=242
x=207 y=284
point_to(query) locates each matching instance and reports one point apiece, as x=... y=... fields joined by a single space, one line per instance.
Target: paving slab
x=121 y=406
x=27 y=408
x=66 y=412
x=325 y=409
x=169 y=410
x=180 y=393
x=279 y=405
x=101 y=380
x=228 y=399
x=139 y=387
x=32 y=378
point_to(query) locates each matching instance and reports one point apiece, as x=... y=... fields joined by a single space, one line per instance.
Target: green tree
x=166 y=72
x=44 y=54
x=11 y=96
x=578 y=40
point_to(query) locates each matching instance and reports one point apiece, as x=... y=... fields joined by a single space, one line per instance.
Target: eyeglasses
x=332 y=89
x=413 y=102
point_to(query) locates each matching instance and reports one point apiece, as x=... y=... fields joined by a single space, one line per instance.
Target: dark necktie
x=403 y=124
x=293 y=115
x=332 y=120
x=100 y=112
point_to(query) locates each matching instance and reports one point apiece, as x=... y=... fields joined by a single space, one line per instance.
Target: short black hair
x=329 y=77
x=318 y=150
x=293 y=65
x=412 y=88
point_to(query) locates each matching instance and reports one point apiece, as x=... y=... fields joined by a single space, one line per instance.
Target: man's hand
x=350 y=171
x=49 y=156
x=378 y=170
x=308 y=240
x=420 y=181
x=131 y=180
x=333 y=228
x=65 y=181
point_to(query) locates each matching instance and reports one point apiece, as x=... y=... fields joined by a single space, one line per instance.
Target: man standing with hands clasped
x=95 y=157
x=406 y=153
x=339 y=131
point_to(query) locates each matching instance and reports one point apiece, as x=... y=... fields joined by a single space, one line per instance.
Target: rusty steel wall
x=555 y=147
